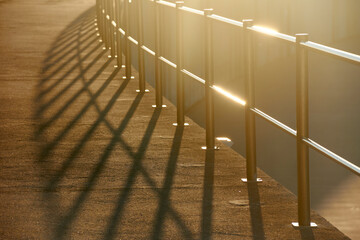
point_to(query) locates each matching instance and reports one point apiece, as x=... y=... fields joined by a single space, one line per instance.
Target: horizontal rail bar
x=343 y=162
x=192 y=10
x=269 y=32
x=168 y=62
x=274 y=122
x=263 y=30
x=190 y=74
x=228 y=95
x=122 y=31
x=273 y=33
x=165 y=3
x=226 y=20
x=148 y=50
x=332 y=51
x=133 y=40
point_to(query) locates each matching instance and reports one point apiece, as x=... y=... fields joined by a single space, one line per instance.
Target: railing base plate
x=162 y=106
x=215 y=148
x=185 y=124
x=145 y=91
x=245 y=180
x=296 y=225
x=132 y=77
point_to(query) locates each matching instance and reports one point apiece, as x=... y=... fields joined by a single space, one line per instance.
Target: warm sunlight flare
x=265 y=30
x=229 y=95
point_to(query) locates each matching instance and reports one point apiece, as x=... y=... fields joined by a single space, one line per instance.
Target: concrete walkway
x=83 y=156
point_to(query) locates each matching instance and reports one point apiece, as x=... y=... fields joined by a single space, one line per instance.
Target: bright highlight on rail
x=228 y=95
x=265 y=30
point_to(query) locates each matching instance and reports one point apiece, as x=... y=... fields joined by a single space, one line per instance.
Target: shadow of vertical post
x=306 y=233
x=164 y=201
x=111 y=229
x=208 y=192
x=257 y=225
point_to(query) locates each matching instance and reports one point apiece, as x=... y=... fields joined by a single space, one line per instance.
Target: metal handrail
x=109 y=25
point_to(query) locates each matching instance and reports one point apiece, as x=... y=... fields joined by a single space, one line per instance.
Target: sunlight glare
x=265 y=30
x=229 y=95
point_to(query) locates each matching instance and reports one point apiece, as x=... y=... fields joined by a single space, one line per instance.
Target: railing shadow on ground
x=70 y=58
x=257 y=225
x=208 y=193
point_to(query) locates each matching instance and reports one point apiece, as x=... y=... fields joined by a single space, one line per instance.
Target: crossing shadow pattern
x=107 y=163
x=89 y=162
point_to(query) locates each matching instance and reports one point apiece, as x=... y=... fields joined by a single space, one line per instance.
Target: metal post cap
x=179 y=3
x=248 y=22
x=208 y=11
x=302 y=37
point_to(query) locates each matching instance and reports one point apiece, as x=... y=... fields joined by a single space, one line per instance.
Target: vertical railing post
x=97 y=21
x=158 y=65
x=112 y=29
x=127 y=41
x=97 y=7
x=179 y=65
x=302 y=131
x=250 y=137
x=102 y=21
x=117 y=33
x=141 y=61
x=209 y=81
x=107 y=25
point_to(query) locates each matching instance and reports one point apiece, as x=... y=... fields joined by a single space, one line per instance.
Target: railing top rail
x=272 y=33
x=226 y=20
x=332 y=51
x=192 y=10
x=269 y=32
x=165 y=3
x=343 y=162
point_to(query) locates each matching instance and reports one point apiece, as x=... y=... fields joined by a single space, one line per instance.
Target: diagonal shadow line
x=257 y=225
x=52 y=144
x=68 y=47
x=83 y=79
x=74 y=25
x=61 y=65
x=72 y=213
x=164 y=199
x=67 y=34
x=56 y=71
x=186 y=232
x=151 y=182
x=74 y=97
x=66 y=50
x=58 y=47
x=137 y=159
x=67 y=42
x=207 y=204
x=73 y=28
x=66 y=165
x=173 y=213
x=97 y=107
x=70 y=84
